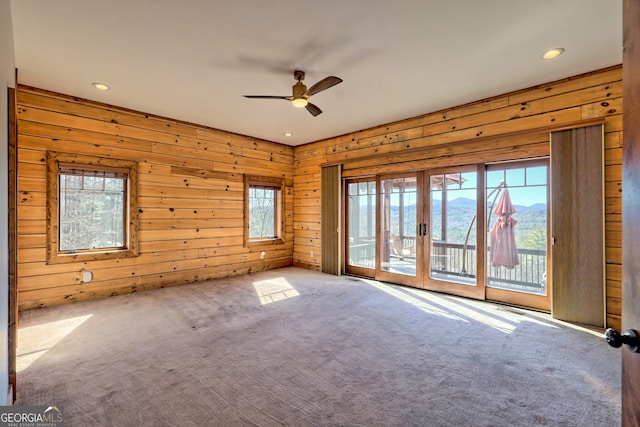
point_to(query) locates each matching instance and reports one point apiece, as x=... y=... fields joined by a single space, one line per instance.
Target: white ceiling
x=193 y=60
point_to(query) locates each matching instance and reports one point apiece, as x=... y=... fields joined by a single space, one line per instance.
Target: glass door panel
x=361 y=225
x=399 y=208
x=517 y=241
x=453 y=236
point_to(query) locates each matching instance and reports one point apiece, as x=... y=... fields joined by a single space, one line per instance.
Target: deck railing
x=453 y=260
x=363 y=253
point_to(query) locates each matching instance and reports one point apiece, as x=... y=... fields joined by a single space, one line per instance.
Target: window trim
x=278 y=183
x=55 y=161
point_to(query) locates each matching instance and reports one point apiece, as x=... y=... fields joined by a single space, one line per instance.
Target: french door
x=453 y=219
x=444 y=230
x=400 y=248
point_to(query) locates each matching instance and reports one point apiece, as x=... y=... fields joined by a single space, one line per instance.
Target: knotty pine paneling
x=507 y=127
x=190 y=198
x=214 y=161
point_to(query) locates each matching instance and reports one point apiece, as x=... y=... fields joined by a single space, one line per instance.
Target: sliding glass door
x=477 y=231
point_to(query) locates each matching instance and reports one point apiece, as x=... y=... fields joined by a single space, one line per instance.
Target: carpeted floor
x=299 y=348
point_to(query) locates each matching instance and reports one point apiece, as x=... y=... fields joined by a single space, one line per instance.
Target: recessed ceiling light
x=553 y=53
x=100 y=86
x=288 y=134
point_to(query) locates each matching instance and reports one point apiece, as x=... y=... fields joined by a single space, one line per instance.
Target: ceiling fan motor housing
x=299 y=89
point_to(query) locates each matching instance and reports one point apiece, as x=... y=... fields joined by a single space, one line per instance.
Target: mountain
x=463 y=203
x=530 y=229
x=534 y=207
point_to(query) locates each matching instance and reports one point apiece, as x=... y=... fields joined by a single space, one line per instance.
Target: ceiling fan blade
x=323 y=84
x=313 y=109
x=288 y=98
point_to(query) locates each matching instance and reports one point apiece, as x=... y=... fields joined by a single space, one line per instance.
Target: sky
x=527 y=186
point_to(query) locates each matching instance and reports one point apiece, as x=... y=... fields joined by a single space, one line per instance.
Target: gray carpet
x=298 y=348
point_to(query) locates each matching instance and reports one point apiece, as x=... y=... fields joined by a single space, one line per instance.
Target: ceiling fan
x=301 y=94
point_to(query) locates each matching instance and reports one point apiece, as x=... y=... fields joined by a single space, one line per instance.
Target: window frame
x=271 y=182
x=56 y=161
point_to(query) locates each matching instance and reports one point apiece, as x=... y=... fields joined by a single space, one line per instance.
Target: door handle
x=424 y=229
x=616 y=339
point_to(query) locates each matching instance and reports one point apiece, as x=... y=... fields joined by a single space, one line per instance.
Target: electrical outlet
x=87 y=276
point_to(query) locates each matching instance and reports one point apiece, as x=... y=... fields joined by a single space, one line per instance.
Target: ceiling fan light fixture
x=299 y=102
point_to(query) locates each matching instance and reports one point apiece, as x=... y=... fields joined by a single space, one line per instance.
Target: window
x=92 y=213
x=263 y=210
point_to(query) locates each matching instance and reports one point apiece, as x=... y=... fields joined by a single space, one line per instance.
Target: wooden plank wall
x=469 y=134
x=190 y=198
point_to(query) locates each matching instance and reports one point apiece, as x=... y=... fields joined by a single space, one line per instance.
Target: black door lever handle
x=616 y=339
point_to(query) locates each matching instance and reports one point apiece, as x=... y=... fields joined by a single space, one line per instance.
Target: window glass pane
x=386 y=185
x=71 y=181
x=398 y=228
x=453 y=232
x=537 y=175
x=517 y=237
x=397 y=185
x=452 y=181
x=495 y=178
x=262 y=212
x=469 y=180
x=93 y=183
x=436 y=220
x=91 y=211
x=362 y=188
x=515 y=177
x=114 y=184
